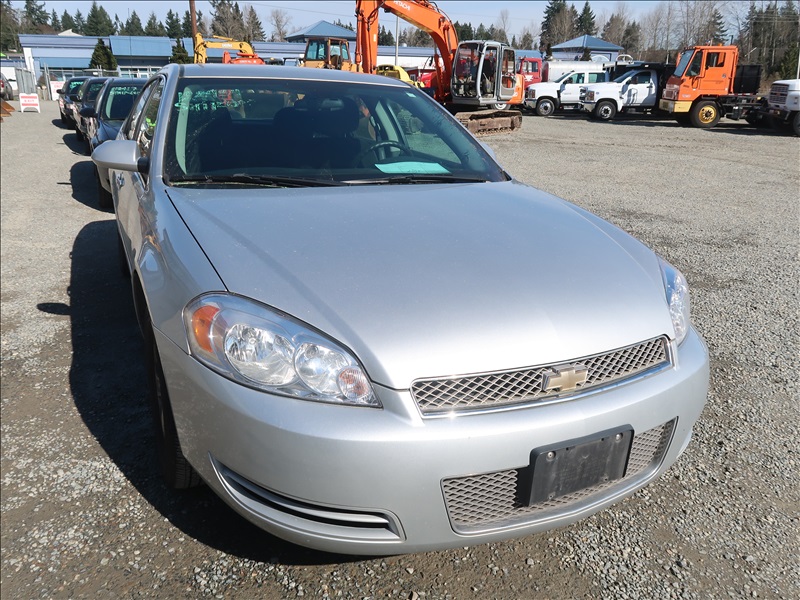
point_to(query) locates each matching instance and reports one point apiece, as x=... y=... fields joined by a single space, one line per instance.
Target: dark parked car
x=366 y=336
x=103 y=120
x=6 y=91
x=86 y=97
x=66 y=97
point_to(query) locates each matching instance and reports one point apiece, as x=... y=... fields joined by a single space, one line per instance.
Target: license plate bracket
x=555 y=471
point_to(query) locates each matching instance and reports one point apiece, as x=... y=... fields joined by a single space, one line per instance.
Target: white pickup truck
x=548 y=96
x=784 y=104
x=635 y=91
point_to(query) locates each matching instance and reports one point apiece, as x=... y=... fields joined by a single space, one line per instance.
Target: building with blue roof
x=322 y=29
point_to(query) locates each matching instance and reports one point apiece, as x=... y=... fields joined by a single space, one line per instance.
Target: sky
x=307 y=12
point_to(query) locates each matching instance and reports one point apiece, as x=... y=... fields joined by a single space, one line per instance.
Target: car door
x=132 y=187
x=571 y=88
x=640 y=89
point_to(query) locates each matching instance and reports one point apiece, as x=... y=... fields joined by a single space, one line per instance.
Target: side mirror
x=88 y=112
x=122 y=155
x=60 y=91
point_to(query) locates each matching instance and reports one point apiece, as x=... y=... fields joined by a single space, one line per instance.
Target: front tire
x=705 y=114
x=177 y=472
x=796 y=123
x=605 y=110
x=545 y=107
x=104 y=199
x=499 y=106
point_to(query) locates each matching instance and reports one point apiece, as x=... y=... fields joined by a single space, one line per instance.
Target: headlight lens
x=249 y=343
x=677 y=299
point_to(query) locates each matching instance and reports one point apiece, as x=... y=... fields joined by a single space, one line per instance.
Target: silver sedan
x=366 y=337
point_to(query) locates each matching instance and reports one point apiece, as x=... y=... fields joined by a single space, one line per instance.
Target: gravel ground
x=85 y=515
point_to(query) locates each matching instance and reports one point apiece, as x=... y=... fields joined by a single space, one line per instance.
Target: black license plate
x=578 y=465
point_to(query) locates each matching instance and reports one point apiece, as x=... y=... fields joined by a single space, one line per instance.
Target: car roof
x=280 y=72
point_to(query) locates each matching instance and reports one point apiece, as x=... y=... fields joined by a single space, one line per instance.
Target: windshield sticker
x=413 y=167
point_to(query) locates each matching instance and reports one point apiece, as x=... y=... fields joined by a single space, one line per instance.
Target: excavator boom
x=476 y=74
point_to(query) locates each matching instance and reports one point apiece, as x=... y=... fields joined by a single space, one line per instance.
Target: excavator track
x=487 y=122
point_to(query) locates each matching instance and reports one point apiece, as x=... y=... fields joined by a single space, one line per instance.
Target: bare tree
x=655 y=25
x=279 y=19
x=504 y=21
x=692 y=19
x=563 y=27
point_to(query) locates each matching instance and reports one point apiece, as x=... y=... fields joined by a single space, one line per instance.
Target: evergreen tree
x=586 y=24
x=631 y=39
x=133 y=26
x=186 y=24
x=227 y=19
x=119 y=26
x=55 y=22
x=526 y=41
x=348 y=25
x=614 y=29
x=717 y=32
x=179 y=53
x=98 y=22
x=9 y=27
x=254 y=31
x=549 y=25
x=481 y=33
x=464 y=31
x=67 y=22
x=154 y=27
x=34 y=16
x=788 y=67
x=173 y=25
x=80 y=22
x=102 y=58
x=385 y=37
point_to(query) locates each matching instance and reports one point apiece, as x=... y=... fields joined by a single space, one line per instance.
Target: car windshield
x=92 y=90
x=305 y=132
x=118 y=101
x=564 y=76
x=74 y=86
x=686 y=56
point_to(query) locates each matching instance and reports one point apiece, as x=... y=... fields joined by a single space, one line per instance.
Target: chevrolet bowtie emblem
x=564 y=378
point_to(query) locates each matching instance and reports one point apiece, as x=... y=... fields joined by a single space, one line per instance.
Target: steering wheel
x=384 y=144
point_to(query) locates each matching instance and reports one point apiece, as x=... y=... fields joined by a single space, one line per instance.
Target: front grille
x=778 y=93
x=525 y=385
x=491 y=501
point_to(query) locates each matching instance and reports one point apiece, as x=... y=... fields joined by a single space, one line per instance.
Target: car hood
x=434 y=280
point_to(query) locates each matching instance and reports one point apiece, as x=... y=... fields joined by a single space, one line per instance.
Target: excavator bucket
x=485 y=122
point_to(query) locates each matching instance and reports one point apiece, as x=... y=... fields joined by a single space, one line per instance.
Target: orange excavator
x=244 y=53
x=477 y=74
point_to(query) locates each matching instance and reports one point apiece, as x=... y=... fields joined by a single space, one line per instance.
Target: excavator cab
x=484 y=75
x=328 y=53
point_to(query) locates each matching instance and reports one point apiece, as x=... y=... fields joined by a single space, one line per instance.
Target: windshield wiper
x=260 y=180
x=416 y=178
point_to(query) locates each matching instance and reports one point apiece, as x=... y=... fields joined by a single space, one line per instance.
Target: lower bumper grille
x=492 y=500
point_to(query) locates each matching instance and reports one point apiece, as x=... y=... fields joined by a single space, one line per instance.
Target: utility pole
x=194 y=19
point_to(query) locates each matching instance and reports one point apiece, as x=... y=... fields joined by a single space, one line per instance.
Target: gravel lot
x=85 y=515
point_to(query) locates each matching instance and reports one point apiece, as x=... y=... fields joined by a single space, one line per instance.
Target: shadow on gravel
x=108 y=381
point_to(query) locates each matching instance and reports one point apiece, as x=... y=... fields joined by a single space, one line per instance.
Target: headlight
x=677 y=299
x=531 y=93
x=256 y=346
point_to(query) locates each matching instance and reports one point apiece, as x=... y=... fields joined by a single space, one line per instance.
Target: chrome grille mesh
x=525 y=385
x=491 y=500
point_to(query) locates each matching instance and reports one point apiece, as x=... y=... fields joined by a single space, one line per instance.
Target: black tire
x=104 y=199
x=545 y=107
x=682 y=118
x=175 y=469
x=705 y=114
x=796 y=123
x=605 y=110
x=122 y=261
x=499 y=106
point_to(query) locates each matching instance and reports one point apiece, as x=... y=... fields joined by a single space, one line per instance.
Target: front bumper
x=674 y=106
x=387 y=481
